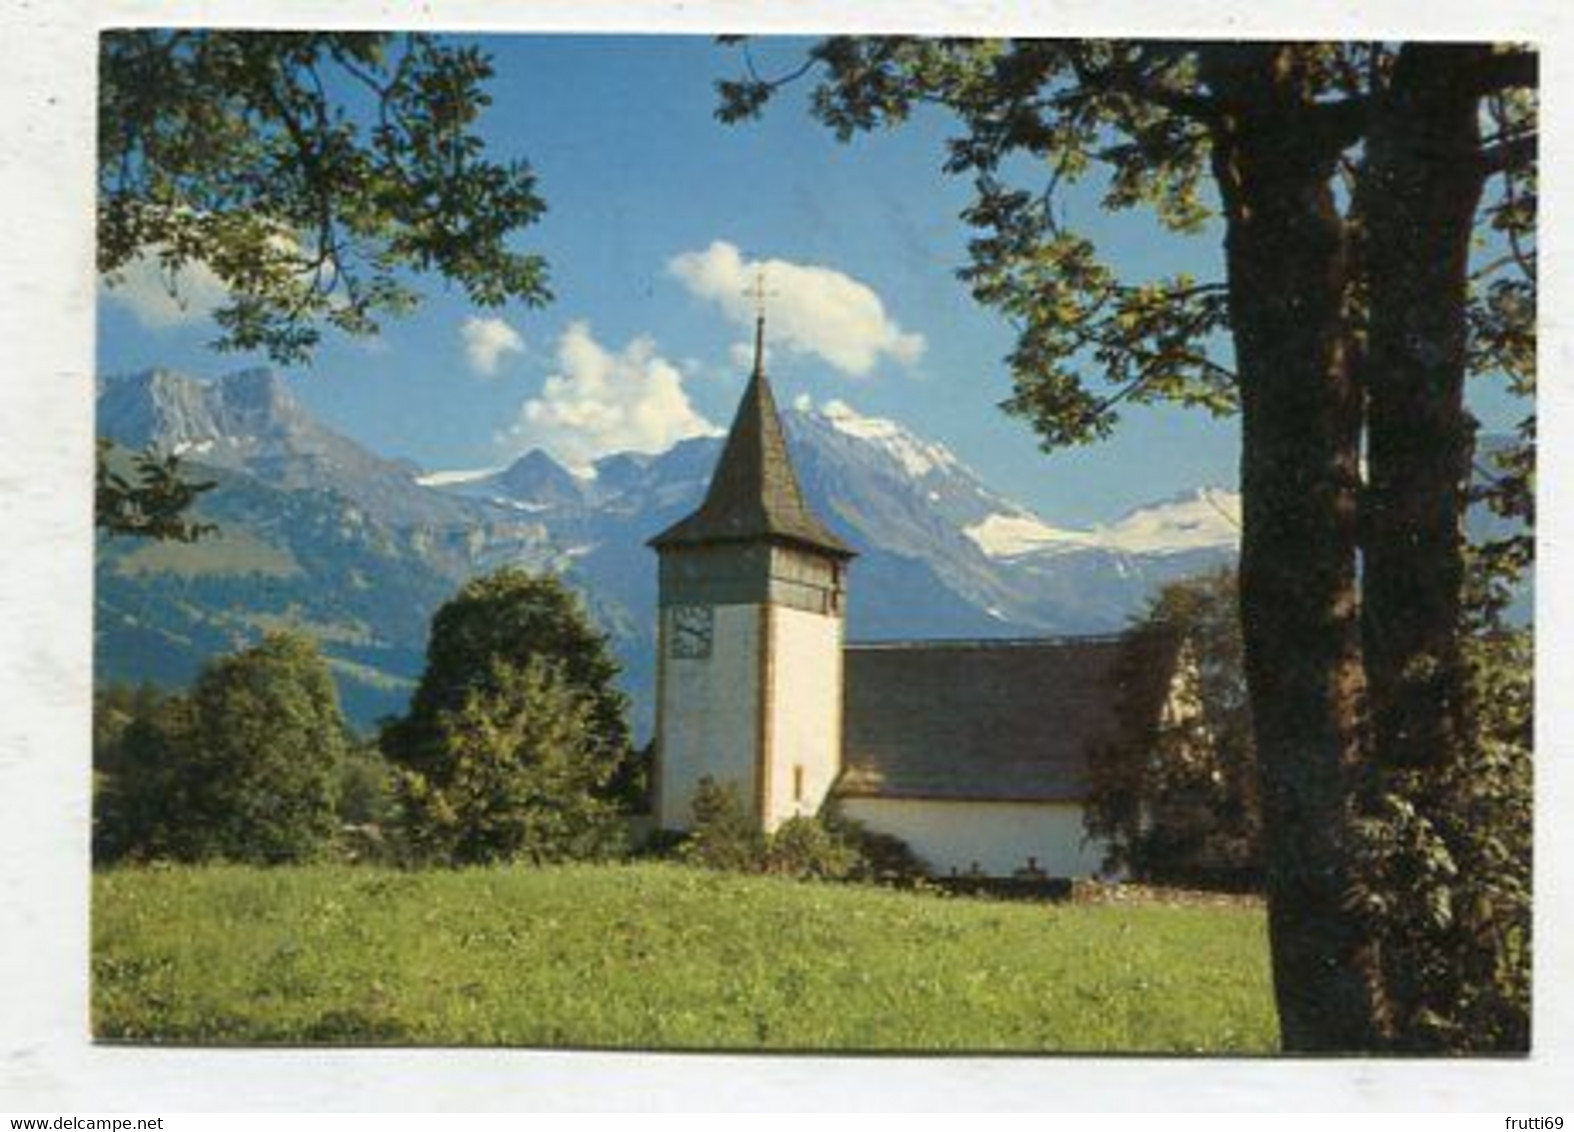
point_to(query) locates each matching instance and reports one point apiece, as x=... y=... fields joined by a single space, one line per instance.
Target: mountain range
x=318 y=532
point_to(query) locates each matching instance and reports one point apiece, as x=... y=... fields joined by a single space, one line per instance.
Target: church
x=975 y=753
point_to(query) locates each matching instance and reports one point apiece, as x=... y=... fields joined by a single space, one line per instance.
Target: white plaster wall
x=805 y=710
x=998 y=836
x=708 y=713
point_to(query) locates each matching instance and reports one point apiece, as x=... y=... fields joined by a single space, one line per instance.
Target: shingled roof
x=754 y=492
x=991 y=720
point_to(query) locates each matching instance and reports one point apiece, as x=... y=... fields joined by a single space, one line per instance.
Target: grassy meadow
x=652 y=956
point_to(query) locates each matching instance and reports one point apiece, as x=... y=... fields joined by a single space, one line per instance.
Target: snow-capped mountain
x=941 y=553
x=250 y=421
x=319 y=532
x=1203 y=519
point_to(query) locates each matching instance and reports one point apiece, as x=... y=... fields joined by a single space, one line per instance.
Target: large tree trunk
x=1421 y=183
x=1273 y=156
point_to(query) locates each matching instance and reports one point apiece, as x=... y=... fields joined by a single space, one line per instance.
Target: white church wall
x=997 y=837
x=709 y=713
x=805 y=712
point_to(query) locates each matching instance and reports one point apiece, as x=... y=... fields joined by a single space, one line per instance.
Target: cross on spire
x=759 y=294
x=754 y=493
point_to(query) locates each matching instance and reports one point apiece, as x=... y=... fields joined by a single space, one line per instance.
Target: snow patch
x=449 y=478
x=1198 y=520
x=518 y=504
x=1208 y=518
x=1010 y=536
x=917 y=457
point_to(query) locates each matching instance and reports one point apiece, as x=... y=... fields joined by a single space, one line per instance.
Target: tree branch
x=1506 y=70
x=1510 y=154
x=1123 y=80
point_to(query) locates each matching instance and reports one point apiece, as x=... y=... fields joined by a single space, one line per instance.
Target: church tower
x=751 y=605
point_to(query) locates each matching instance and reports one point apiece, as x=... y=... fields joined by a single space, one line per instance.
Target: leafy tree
x=1348 y=180
x=496 y=625
x=366 y=805
x=1442 y=859
x=516 y=742
x=311 y=173
x=308 y=171
x=518 y=775
x=1177 y=799
x=139 y=736
x=267 y=743
x=365 y=789
x=244 y=768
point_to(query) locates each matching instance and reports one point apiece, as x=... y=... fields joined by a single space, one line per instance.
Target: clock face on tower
x=693 y=627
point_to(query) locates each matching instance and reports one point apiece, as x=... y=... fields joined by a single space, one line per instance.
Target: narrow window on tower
x=797 y=784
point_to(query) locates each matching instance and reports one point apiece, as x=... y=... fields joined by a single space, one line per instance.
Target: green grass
x=653 y=956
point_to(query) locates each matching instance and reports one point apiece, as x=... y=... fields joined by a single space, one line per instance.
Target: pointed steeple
x=754 y=492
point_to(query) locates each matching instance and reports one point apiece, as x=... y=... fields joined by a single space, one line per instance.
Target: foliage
x=656 y=956
x=367 y=806
x=723 y=835
x=146 y=496
x=825 y=846
x=308 y=174
x=1075 y=109
x=518 y=776
x=1445 y=868
x=809 y=849
x=365 y=789
x=245 y=768
x=878 y=858
x=266 y=747
x=1137 y=120
x=1176 y=798
x=493 y=630
x=137 y=736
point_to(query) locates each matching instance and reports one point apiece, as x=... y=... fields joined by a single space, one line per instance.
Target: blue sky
x=657 y=216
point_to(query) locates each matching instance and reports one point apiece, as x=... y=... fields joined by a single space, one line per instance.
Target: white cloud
x=601 y=401
x=486 y=341
x=809 y=309
x=145 y=290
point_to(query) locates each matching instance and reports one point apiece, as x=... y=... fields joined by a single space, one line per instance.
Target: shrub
x=827 y=846
x=1443 y=872
x=880 y=858
x=723 y=835
x=808 y=848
